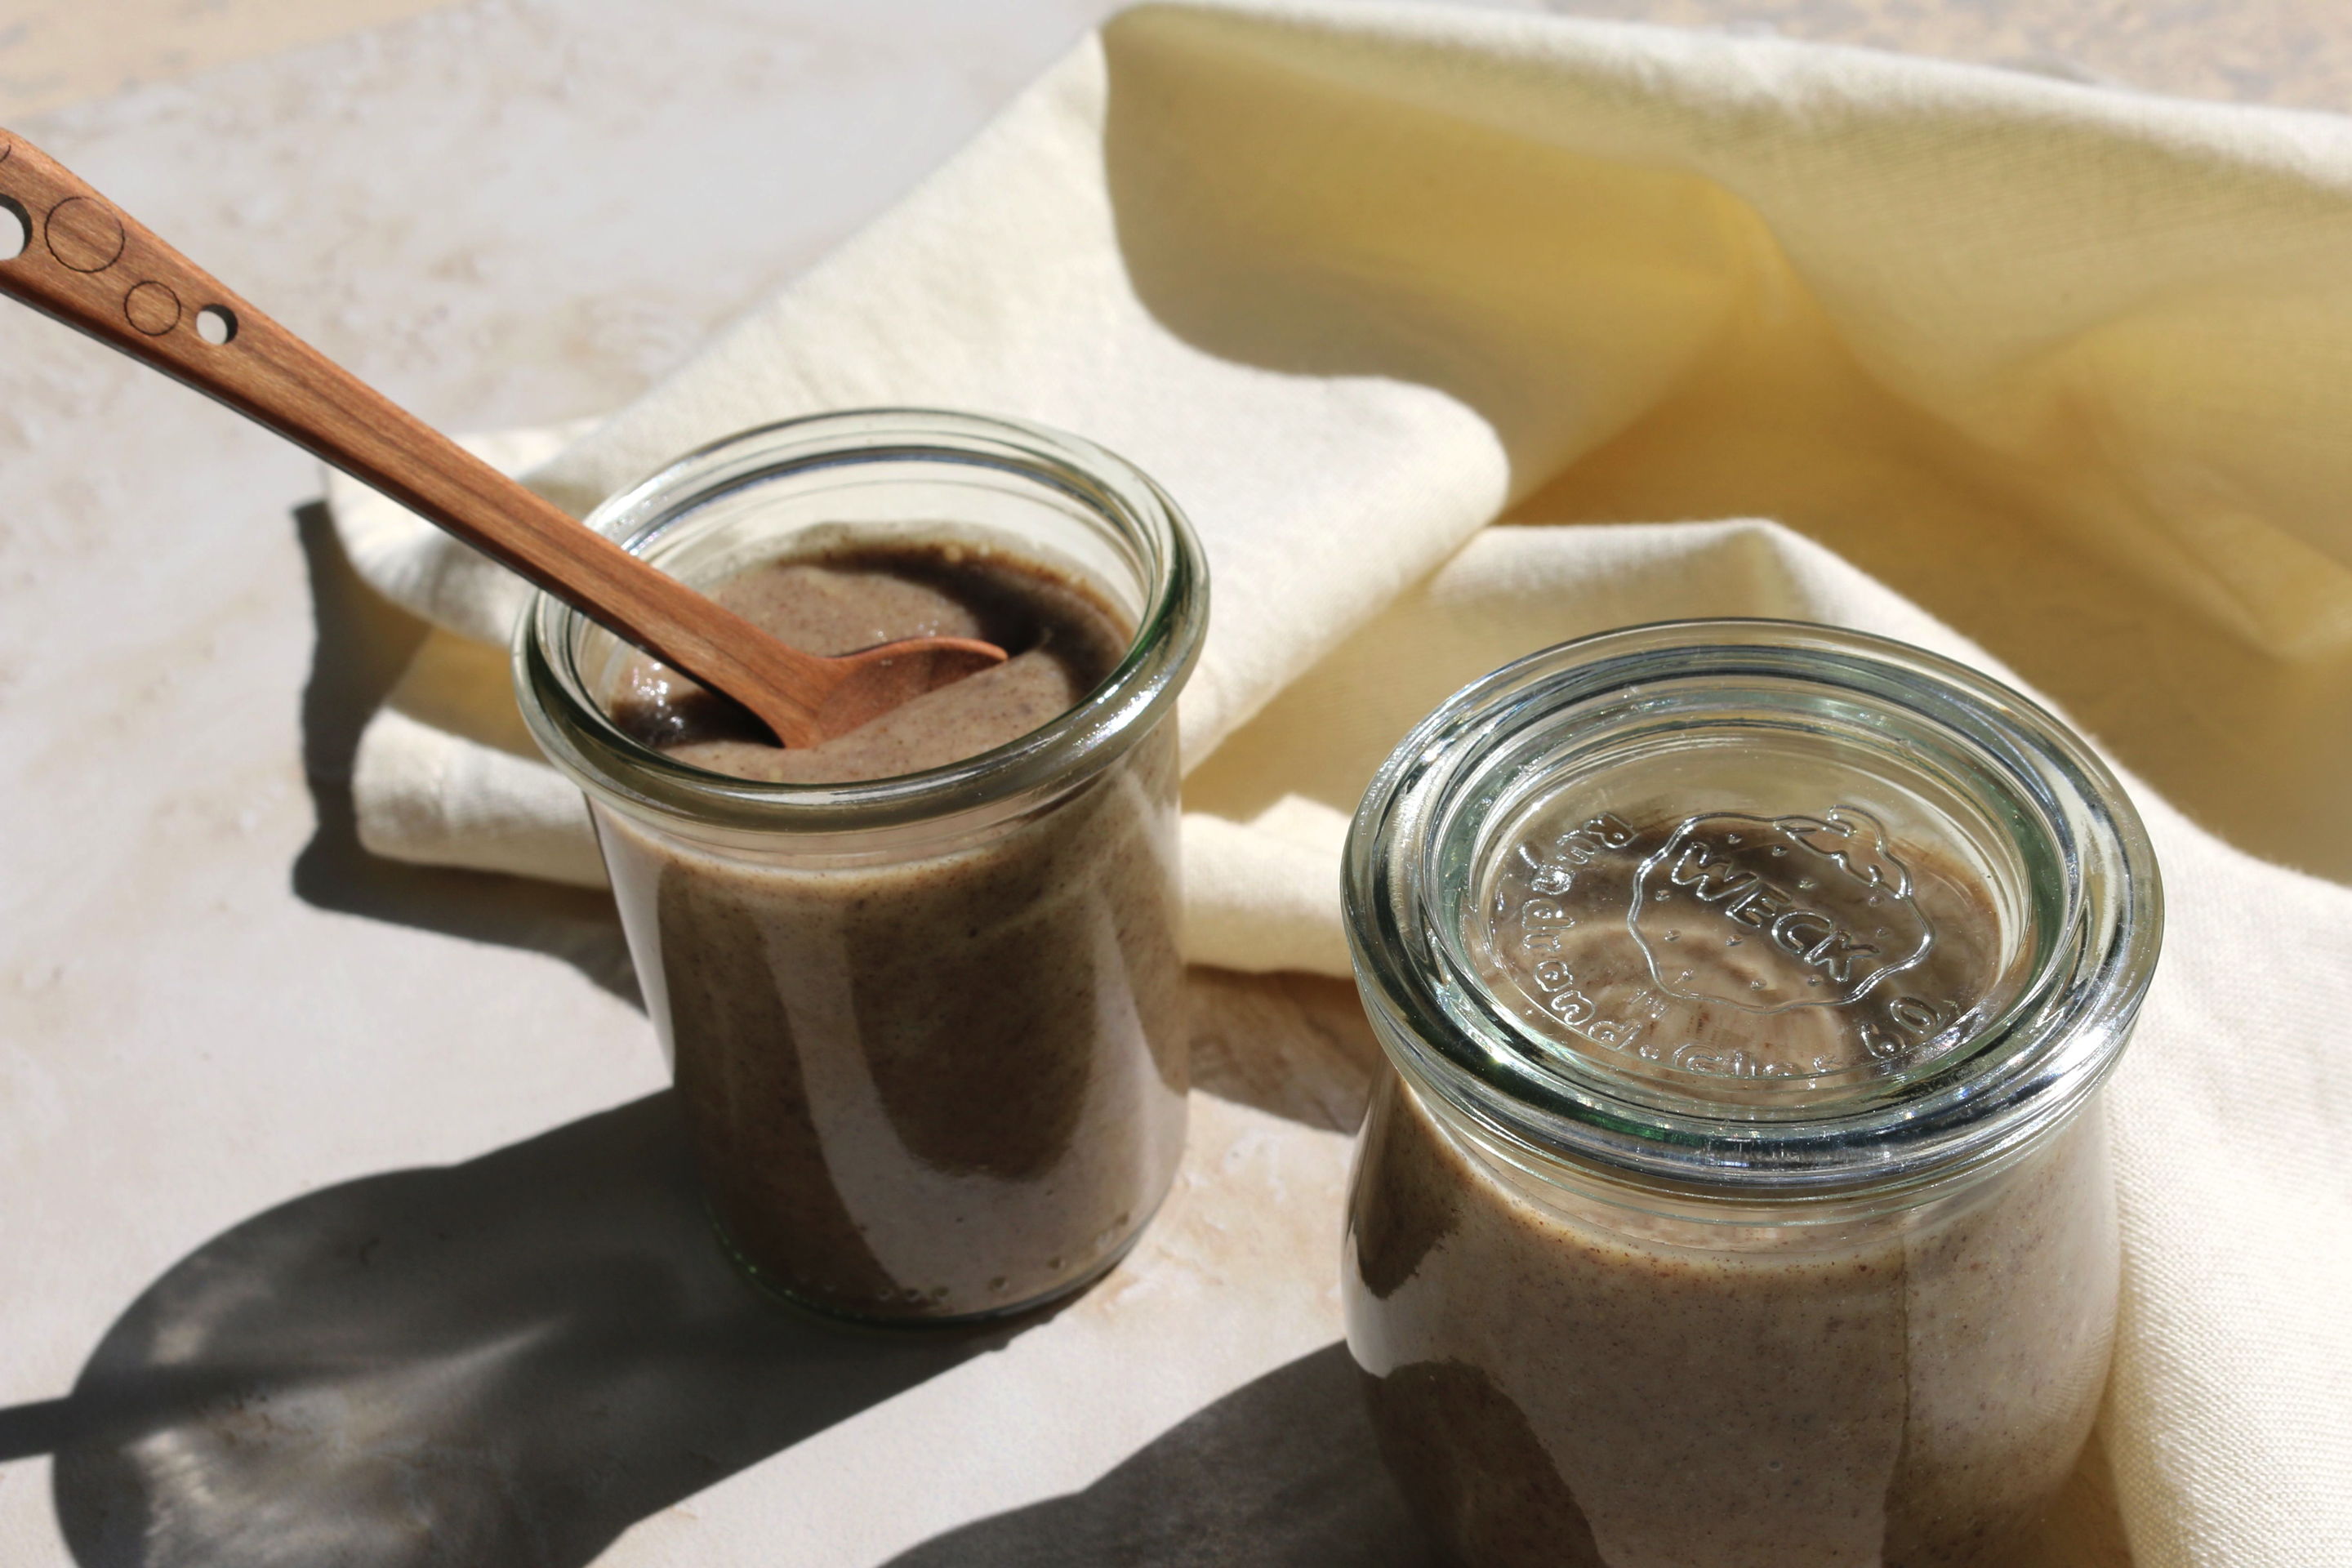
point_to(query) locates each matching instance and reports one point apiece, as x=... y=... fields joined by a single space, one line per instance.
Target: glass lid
x=1751 y=896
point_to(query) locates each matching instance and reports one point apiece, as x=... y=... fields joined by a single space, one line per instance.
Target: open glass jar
x=1741 y=1195
x=927 y=1030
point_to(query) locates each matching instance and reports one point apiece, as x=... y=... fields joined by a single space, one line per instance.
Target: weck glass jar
x=927 y=1030
x=1741 y=1195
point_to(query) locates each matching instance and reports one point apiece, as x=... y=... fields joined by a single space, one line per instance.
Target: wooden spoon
x=94 y=267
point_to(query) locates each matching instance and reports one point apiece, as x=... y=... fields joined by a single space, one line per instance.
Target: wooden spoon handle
x=96 y=269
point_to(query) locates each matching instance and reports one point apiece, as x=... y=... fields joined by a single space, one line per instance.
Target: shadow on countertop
x=513 y=1359
x=505 y=1362
x=364 y=643
x=1281 y=1473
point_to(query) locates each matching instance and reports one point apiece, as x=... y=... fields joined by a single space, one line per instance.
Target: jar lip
x=2022 y=1072
x=571 y=727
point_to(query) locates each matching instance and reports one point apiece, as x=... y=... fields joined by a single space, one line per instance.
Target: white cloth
x=2068 y=370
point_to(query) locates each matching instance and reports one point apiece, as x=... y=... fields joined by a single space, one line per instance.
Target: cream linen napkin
x=2068 y=370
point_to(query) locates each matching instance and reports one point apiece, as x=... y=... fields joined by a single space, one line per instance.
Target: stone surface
x=323 y=1237
x=55 y=52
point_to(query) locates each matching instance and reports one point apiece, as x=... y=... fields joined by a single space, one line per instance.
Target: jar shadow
x=1284 y=1472
x=510 y=1360
x=362 y=644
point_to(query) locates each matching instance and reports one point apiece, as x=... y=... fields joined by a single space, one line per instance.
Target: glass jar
x=927 y=1031
x=1741 y=1195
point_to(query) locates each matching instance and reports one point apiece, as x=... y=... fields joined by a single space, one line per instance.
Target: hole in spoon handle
x=67 y=251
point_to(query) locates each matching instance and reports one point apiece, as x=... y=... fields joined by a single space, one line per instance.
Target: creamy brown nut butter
x=1844 y=1386
x=1063 y=641
x=919 y=985
x=902 y=1086
x=1740 y=1199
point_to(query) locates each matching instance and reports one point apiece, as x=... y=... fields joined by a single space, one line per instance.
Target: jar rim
x=1989 y=1095
x=576 y=734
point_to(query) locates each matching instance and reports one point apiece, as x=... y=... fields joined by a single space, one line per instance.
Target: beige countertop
x=341 y=1218
x=2288 y=52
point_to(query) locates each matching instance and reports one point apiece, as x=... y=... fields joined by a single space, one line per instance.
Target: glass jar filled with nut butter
x=1739 y=1196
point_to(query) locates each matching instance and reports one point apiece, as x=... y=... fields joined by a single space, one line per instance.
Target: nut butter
x=1739 y=1198
x=919 y=985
